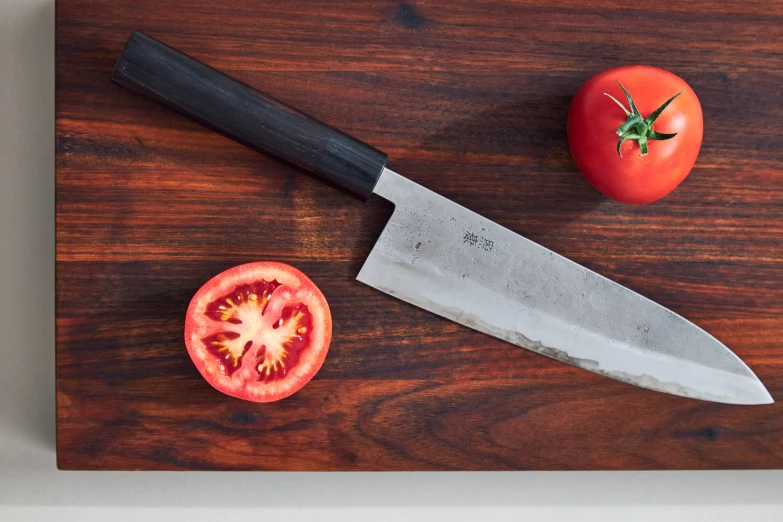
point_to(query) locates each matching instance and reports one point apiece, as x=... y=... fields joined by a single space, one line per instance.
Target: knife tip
x=768 y=398
x=759 y=395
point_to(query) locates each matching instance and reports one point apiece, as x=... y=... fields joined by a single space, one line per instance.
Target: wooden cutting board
x=467 y=98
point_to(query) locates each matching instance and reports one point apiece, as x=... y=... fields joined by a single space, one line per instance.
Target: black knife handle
x=247 y=116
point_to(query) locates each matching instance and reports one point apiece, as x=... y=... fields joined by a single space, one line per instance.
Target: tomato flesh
x=258 y=331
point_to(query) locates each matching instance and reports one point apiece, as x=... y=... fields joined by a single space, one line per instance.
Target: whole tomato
x=635 y=132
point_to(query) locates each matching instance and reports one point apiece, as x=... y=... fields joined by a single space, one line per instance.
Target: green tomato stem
x=637 y=128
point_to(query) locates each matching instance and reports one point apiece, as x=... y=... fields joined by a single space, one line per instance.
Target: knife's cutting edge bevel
x=444 y=258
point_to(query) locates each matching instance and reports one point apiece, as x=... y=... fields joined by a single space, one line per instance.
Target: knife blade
x=434 y=253
x=444 y=258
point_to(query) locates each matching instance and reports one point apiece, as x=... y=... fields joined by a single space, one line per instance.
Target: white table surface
x=31 y=488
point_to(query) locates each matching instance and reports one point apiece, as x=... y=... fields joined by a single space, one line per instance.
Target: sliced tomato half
x=258 y=331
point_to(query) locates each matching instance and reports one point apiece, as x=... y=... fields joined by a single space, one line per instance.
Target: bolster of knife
x=246 y=115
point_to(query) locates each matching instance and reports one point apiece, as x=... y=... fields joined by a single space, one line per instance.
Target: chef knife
x=442 y=257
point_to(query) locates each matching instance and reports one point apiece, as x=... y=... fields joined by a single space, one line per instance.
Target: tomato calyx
x=637 y=128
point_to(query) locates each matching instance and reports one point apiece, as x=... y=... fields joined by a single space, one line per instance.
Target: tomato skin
x=594 y=118
x=294 y=289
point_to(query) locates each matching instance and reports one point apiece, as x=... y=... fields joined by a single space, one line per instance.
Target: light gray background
x=32 y=489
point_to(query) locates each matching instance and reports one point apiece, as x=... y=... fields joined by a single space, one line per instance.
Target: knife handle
x=246 y=115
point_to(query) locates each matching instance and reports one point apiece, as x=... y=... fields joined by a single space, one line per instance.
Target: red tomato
x=258 y=331
x=597 y=123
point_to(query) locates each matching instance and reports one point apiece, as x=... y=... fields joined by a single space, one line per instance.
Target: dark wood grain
x=469 y=99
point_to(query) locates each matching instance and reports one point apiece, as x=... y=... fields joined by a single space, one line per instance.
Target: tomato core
x=274 y=350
